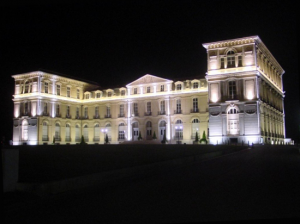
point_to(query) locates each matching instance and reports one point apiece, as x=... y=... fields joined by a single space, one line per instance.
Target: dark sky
x=115 y=42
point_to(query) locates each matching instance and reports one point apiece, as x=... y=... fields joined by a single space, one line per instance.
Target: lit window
x=68 y=91
x=58 y=90
x=46 y=87
x=230 y=59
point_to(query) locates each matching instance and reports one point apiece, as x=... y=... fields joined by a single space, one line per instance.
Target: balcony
x=195 y=110
x=77 y=117
x=68 y=116
x=107 y=116
x=121 y=115
x=162 y=112
x=135 y=114
x=45 y=114
x=57 y=115
x=85 y=117
x=177 y=111
x=96 y=116
x=148 y=113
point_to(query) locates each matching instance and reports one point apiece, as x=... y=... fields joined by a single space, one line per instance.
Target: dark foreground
x=253 y=184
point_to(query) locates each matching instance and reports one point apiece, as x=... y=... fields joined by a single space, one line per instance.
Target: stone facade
x=241 y=100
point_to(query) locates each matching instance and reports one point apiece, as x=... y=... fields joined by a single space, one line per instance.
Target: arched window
x=25 y=130
x=230 y=59
x=86 y=133
x=77 y=133
x=45 y=132
x=96 y=133
x=57 y=132
x=68 y=133
x=195 y=120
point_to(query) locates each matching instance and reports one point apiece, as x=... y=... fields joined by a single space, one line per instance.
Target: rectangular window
x=148 y=89
x=87 y=96
x=77 y=113
x=240 y=61
x=178 y=87
x=68 y=111
x=85 y=112
x=135 y=109
x=122 y=92
x=46 y=87
x=121 y=110
x=109 y=94
x=162 y=107
x=57 y=110
x=135 y=91
x=97 y=95
x=121 y=135
x=232 y=89
x=162 y=88
x=148 y=107
x=58 y=90
x=78 y=94
x=222 y=63
x=68 y=91
x=178 y=106
x=195 y=105
x=96 y=112
x=107 y=111
x=195 y=85
x=45 y=109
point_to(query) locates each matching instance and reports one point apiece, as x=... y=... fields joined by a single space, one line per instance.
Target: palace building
x=240 y=100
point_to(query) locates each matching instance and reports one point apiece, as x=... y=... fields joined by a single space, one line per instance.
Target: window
x=46 y=87
x=77 y=112
x=87 y=96
x=86 y=133
x=97 y=95
x=230 y=59
x=195 y=105
x=57 y=132
x=195 y=85
x=148 y=89
x=78 y=94
x=26 y=109
x=232 y=89
x=96 y=133
x=240 y=62
x=109 y=94
x=68 y=91
x=195 y=120
x=68 y=111
x=68 y=133
x=162 y=107
x=178 y=106
x=135 y=91
x=178 y=130
x=135 y=109
x=58 y=90
x=96 y=112
x=121 y=131
x=122 y=92
x=162 y=88
x=222 y=63
x=107 y=111
x=45 y=109
x=26 y=87
x=45 y=132
x=77 y=133
x=25 y=130
x=178 y=87
x=122 y=110
x=57 y=110
x=85 y=112
x=148 y=107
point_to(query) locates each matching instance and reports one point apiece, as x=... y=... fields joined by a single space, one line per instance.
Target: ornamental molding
x=148 y=79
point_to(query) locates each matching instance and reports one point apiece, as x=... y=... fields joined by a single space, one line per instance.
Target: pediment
x=148 y=79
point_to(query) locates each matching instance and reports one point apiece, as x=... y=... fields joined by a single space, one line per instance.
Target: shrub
x=154 y=135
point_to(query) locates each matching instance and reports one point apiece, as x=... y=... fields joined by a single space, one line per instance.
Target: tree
x=53 y=140
x=82 y=142
x=154 y=135
x=106 y=139
x=196 y=138
x=203 y=139
x=140 y=136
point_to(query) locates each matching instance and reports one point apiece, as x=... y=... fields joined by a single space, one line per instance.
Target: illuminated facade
x=241 y=100
x=48 y=106
x=245 y=93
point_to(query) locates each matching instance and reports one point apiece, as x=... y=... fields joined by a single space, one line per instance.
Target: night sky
x=115 y=42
